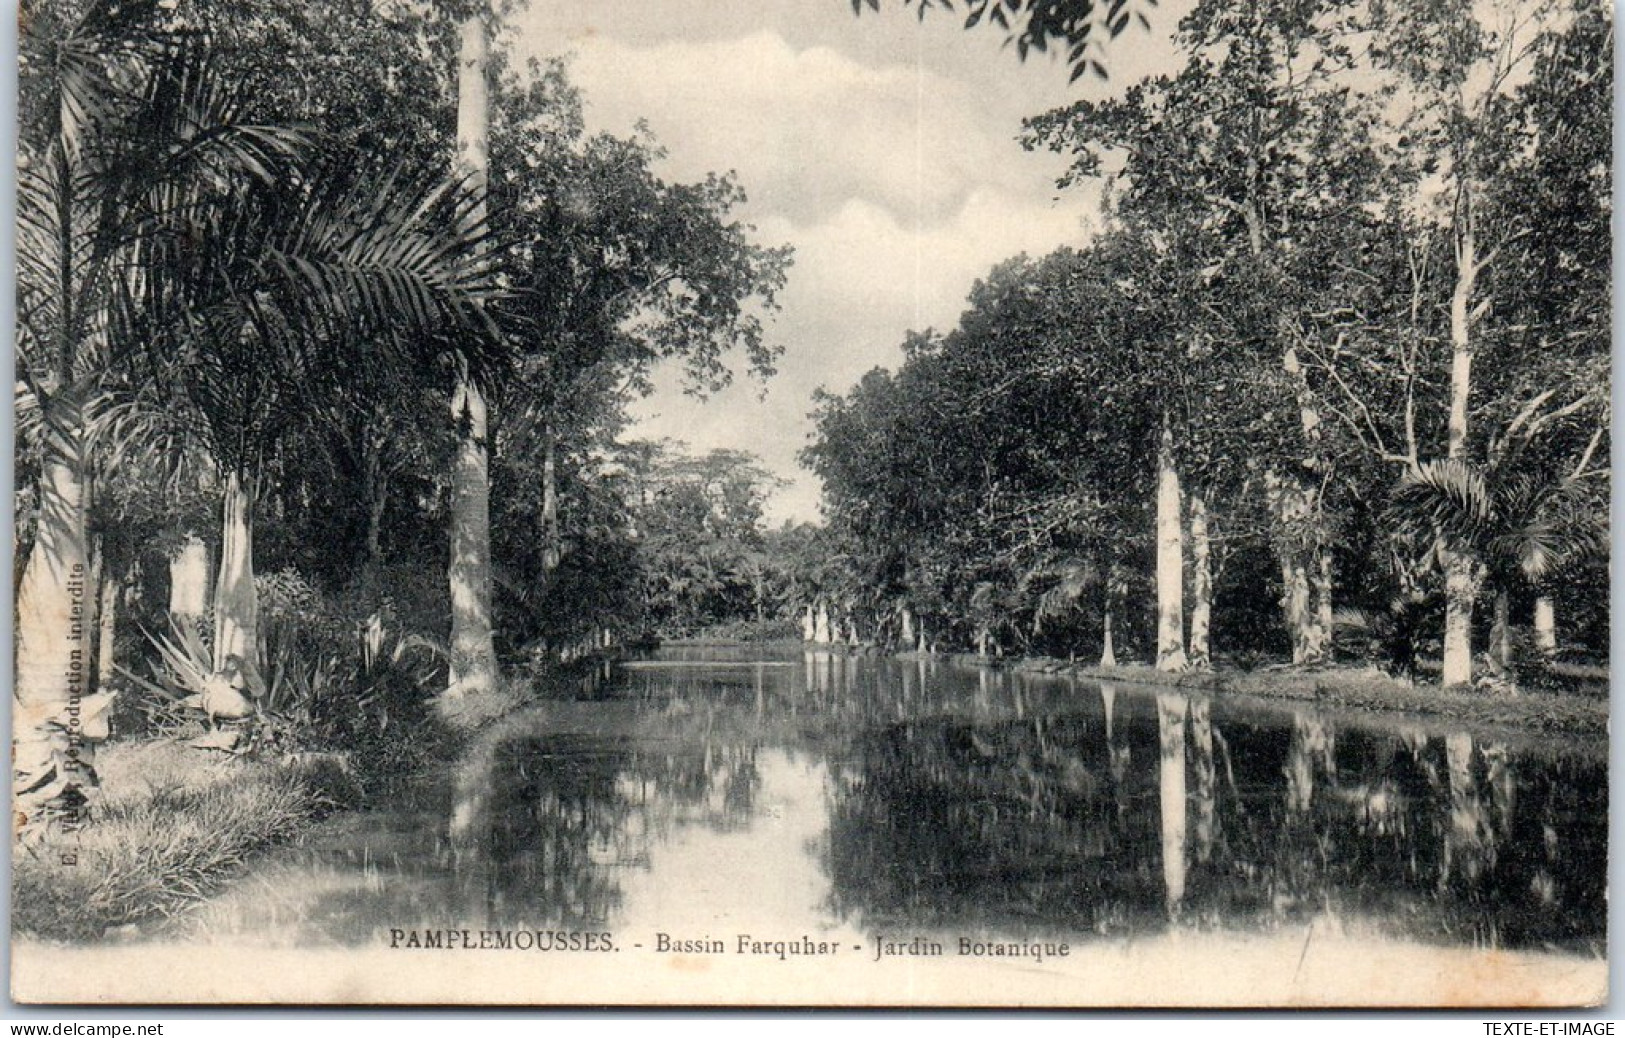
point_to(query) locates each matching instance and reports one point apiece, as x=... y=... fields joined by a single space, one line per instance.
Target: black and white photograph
x=902 y=504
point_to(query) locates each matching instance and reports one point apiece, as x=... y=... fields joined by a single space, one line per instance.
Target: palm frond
x=1446 y=498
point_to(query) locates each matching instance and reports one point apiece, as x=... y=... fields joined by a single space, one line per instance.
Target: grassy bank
x=1366 y=688
x=172 y=824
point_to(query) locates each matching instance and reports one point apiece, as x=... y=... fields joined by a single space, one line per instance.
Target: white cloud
x=895 y=173
x=808 y=130
x=862 y=280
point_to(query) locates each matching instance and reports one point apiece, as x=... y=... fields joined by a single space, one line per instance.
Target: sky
x=883 y=148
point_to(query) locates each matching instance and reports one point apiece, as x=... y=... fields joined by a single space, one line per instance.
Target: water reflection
x=835 y=792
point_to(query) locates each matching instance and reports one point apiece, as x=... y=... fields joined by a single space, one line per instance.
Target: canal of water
x=710 y=794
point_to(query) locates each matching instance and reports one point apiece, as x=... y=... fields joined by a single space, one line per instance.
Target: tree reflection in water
x=1058 y=822
x=974 y=799
x=568 y=815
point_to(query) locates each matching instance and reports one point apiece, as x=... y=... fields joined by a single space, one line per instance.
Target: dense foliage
x=1353 y=297
x=256 y=267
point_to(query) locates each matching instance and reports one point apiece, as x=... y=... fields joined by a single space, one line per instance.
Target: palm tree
x=186 y=280
x=120 y=125
x=1518 y=526
x=278 y=302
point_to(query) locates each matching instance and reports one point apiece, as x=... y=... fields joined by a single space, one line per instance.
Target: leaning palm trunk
x=51 y=768
x=473 y=654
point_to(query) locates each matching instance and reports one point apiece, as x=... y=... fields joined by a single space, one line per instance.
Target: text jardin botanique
x=881 y=946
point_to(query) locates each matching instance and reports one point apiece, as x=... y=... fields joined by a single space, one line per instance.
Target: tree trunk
x=48 y=755
x=1295 y=580
x=1200 y=656
x=1545 y=625
x=1501 y=632
x=375 y=484
x=1170 y=562
x=189 y=580
x=821 y=631
x=1324 y=627
x=907 y=636
x=473 y=655
x=552 y=542
x=236 y=606
x=107 y=624
x=95 y=598
x=808 y=625
x=1305 y=527
x=1108 y=653
x=1461 y=592
x=1303 y=565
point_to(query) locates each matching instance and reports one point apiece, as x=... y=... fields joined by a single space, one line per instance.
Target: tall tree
x=473 y=655
x=1249 y=161
x=1460 y=63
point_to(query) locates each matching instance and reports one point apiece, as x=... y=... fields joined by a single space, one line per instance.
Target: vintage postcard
x=854 y=503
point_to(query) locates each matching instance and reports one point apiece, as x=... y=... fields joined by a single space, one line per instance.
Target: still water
x=711 y=793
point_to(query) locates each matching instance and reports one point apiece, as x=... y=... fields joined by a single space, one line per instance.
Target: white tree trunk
x=1461 y=591
x=1170 y=562
x=189 y=580
x=1323 y=627
x=1545 y=625
x=908 y=626
x=236 y=606
x=1108 y=652
x=821 y=631
x=808 y=624
x=107 y=620
x=473 y=655
x=473 y=668
x=1200 y=655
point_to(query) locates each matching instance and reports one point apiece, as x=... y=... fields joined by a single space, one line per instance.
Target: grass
x=1366 y=688
x=173 y=826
